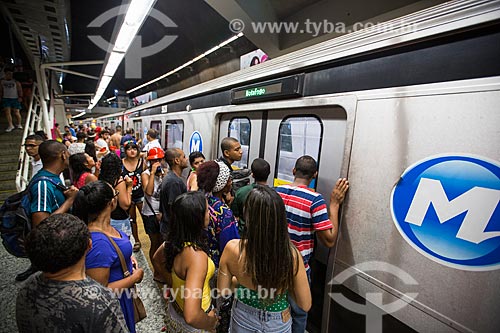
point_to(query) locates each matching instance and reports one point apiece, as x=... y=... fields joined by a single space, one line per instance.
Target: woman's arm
x=224 y=277
x=301 y=292
x=101 y=275
x=196 y=263
x=125 y=195
x=159 y=264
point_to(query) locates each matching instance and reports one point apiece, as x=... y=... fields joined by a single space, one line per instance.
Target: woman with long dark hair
x=111 y=169
x=81 y=165
x=94 y=204
x=190 y=266
x=267 y=266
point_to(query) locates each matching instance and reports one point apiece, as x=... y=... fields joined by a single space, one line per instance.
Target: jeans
x=122 y=225
x=247 y=319
x=299 y=317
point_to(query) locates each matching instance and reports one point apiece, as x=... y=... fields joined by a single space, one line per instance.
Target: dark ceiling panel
x=199 y=28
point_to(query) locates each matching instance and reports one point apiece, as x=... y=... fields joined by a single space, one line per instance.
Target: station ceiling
x=67 y=30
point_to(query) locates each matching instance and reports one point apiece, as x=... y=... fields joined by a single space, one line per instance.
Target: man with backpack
x=47 y=193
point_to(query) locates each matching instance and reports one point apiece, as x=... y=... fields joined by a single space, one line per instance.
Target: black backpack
x=241 y=177
x=15 y=219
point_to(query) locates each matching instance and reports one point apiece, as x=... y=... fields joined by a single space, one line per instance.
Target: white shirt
x=36 y=166
x=102 y=143
x=154 y=200
x=151 y=144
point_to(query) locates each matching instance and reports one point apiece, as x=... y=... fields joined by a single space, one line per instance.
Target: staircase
x=10 y=146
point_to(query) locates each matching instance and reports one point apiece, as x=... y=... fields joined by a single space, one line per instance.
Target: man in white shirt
x=103 y=140
x=31 y=144
x=153 y=142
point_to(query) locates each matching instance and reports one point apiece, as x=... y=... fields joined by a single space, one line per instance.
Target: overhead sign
x=447 y=208
x=290 y=86
x=195 y=142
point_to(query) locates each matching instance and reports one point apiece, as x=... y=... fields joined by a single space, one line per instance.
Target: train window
x=174 y=131
x=157 y=126
x=240 y=129
x=298 y=136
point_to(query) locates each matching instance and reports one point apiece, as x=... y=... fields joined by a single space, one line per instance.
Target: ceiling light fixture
x=136 y=14
x=201 y=56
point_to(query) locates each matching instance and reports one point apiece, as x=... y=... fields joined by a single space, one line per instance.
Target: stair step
x=8 y=185
x=8 y=166
x=9 y=159
x=8 y=174
x=5 y=194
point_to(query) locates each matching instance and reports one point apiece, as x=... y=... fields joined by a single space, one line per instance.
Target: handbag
x=139 y=309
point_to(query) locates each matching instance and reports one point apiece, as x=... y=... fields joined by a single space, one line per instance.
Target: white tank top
x=9 y=89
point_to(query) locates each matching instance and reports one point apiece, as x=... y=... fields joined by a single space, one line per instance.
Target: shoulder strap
x=37 y=179
x=126 y=272
x=149 y=204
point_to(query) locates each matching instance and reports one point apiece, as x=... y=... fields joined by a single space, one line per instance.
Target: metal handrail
x=33 y=120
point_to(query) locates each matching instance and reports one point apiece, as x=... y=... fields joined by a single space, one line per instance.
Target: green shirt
x=239 y=202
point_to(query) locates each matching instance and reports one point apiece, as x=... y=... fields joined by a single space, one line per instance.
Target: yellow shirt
x=178 y=286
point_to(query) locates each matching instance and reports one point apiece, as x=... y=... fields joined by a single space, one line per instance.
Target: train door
x=174 y=133
x=157 y=126
x=319 y=133
x=247 y=128
x=139 y=133
x=282 y=136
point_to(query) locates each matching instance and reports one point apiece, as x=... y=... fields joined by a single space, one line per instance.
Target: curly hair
x=207 y=176
x=111 y=169
x=58 y=242
x=186 y=225
x=91 y=200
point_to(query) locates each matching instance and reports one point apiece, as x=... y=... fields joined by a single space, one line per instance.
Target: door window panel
x=174 y=132
x=240 y=128
x=298 y=136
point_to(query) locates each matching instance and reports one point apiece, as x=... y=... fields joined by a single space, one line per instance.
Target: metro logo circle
x=447 y=208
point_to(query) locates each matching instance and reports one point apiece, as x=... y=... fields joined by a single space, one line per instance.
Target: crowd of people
x=232 y=260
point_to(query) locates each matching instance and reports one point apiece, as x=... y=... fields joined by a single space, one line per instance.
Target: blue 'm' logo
x=195 y=142
x=447 y=208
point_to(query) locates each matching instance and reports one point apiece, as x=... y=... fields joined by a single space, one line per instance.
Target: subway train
x=409 y=112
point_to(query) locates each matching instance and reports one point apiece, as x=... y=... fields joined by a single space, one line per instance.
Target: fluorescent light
x=136 y=15
x=79 y=115
x=110 y=99
x=195 y=59
x=114 y=61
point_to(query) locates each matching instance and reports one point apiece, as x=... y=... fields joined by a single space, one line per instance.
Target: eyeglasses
x=30 y=145
x=116 y=194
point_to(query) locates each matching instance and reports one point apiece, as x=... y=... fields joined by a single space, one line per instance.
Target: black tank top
x=137 y=191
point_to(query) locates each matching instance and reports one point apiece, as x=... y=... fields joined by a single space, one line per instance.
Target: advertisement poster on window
x=253 y=58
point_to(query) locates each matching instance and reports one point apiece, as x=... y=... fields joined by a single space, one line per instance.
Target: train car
x=409 y=112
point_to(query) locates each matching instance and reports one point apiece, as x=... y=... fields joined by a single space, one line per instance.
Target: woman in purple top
x=214 y=178
x=94 y=205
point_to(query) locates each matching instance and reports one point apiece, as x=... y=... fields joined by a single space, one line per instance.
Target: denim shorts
x=151 y=224
x=247 y=319
x=175 y=322
x=137 y=200
x=123 y=225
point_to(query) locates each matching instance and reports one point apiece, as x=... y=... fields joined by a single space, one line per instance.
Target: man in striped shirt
x=307 y=214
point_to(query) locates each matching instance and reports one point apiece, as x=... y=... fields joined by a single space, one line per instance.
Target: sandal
x=137 y=246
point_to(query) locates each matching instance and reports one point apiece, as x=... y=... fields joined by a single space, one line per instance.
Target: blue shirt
x=103 y=255
x=45 y=196
x=221 y=228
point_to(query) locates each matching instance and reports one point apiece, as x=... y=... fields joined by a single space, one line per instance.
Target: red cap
x=155 y=154
x=98 y=129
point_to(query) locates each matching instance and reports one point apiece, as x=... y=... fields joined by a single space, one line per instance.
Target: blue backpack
x=15 y=219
